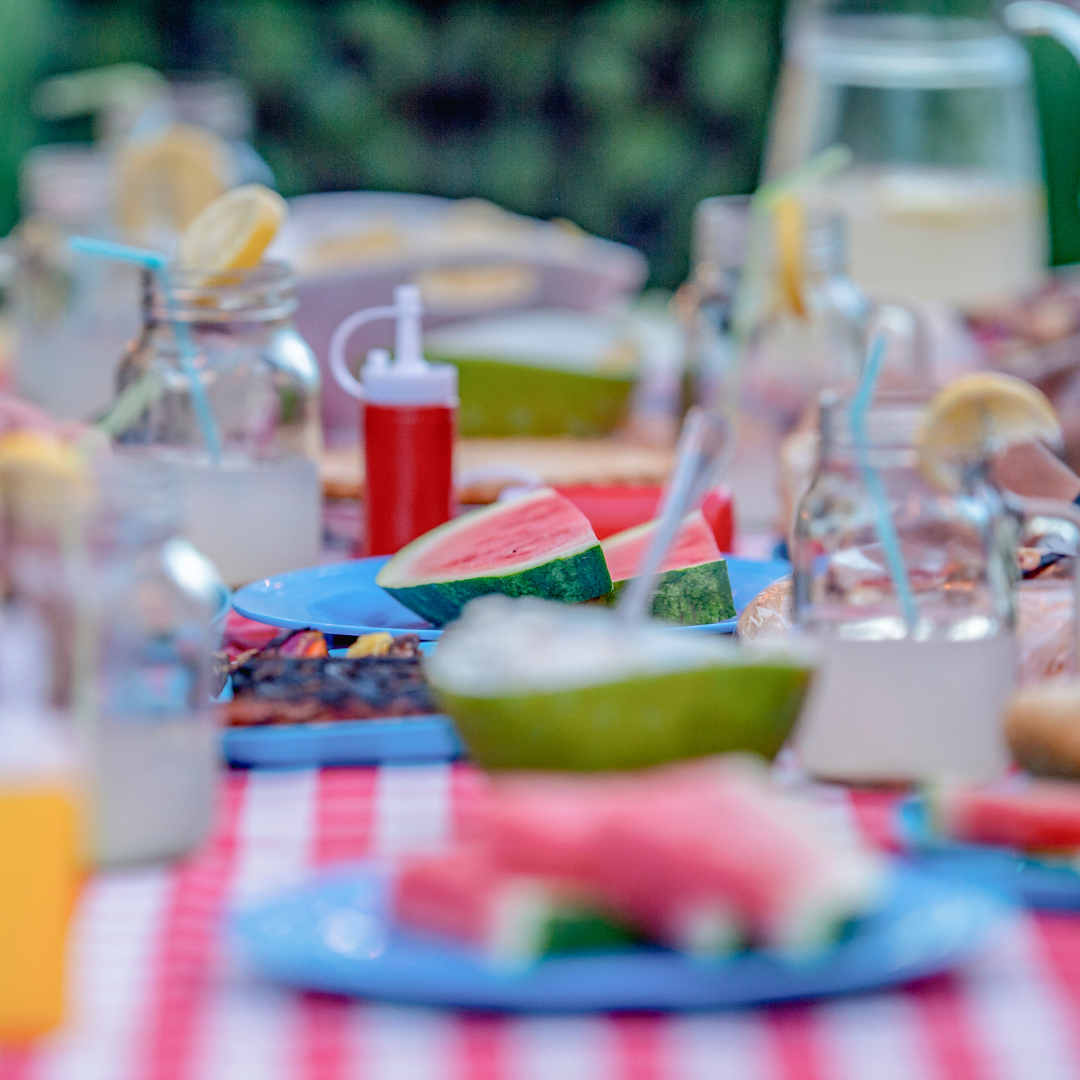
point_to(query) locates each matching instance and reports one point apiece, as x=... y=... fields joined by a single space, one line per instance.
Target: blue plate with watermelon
x=1034 y=882
x=342 y=598
x=538 y=544
x=335 y=936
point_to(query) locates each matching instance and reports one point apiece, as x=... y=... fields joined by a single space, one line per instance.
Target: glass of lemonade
x=902 y=698
x=254 y=508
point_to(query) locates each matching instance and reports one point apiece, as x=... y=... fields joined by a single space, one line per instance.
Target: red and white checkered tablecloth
x=156 y=997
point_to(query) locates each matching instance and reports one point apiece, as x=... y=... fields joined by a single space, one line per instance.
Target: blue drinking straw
x=864 y=394
x=155 y=261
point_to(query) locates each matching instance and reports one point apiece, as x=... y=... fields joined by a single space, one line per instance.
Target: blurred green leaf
x=730 y=71
x=605 y=74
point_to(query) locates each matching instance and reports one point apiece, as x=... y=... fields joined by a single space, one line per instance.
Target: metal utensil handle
x=702 y=457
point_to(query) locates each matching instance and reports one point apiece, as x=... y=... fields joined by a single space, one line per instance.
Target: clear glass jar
x=256 y=509
x=148 y=607
x=788 y=358
x=73 y=313
x=906 y=691
x=130 y=609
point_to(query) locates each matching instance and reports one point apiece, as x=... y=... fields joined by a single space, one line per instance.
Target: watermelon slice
x=693 y=588
x=536 y=545
x=1043 y=816
x=701 y=857
x=712 y=851
x=512 y=919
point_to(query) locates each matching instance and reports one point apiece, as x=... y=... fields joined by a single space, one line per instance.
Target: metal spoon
x=702 y=457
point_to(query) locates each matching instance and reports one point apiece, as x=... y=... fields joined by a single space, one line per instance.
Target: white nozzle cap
x=410 y=379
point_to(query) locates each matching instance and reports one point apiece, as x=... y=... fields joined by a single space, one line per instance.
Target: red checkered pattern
x=155 y=996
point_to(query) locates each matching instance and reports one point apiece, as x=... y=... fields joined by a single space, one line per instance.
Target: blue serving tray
x=1032 y=882
x=343 y=742
x=342 y=598
x=335 y=936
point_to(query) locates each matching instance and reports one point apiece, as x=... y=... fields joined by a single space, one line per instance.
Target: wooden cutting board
x=490 y=464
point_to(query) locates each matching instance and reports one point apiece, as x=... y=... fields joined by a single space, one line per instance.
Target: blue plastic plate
x=342 y=598
x=335 y=936
x=1033 y=882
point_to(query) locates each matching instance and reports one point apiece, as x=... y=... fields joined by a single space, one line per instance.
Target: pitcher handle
x=1045 y=17
x=1028 y=508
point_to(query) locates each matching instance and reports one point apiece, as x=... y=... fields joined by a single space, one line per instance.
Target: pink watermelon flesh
x=466 y=896
x=540 y=527
x=546 y=825
x=695 y=544
x=1043 y=816
x=450 y=895
x=691 y=851
x=677 y=849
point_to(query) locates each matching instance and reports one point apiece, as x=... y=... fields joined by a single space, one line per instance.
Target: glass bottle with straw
x=220 y=384
x=905 y=572
x=801 y=328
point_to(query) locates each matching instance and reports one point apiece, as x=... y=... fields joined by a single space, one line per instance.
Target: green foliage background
x=619 y=115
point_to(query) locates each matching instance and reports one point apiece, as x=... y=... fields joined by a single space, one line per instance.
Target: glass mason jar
x=914 y=679
x=129 y=606
x=147 y=610
x=255 y=507
x=73 y=313
x=791 y=353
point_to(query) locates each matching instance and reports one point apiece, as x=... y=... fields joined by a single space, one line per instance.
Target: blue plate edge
x=1003 y=870
x=986 y=912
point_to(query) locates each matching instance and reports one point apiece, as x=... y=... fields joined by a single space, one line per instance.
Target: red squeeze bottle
x=408 y=411
x=409 y=488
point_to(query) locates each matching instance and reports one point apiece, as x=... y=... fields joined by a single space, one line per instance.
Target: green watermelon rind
x=693 y=596
x=571 y=579
x=637 y=722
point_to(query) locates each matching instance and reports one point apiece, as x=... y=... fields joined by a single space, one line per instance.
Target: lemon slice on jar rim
x=233 y=231
x=979 y=415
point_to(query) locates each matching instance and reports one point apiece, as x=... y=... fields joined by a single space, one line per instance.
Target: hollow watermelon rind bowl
x=636 y=722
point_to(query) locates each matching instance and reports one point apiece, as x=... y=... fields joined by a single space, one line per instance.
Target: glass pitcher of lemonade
x=944 y=195
x=906 y=694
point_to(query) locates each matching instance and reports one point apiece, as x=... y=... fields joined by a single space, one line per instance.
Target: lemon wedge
x=37 y=452
x=980 y=415
x=233 y=231
x=790 y=242
x=165 y=180
x=44 y=480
